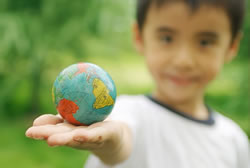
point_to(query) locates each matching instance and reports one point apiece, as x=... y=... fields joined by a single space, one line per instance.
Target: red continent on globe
x=67 y=108
x=81 y=68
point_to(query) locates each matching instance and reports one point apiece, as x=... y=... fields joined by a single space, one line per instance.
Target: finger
x=43 y=132
x=66 y=139
x=81 y=135
x=94 y=135
x=60 y=139
x=48 y=119
x=87 y=139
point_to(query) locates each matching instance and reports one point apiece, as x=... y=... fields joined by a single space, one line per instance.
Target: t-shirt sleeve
x=242 y=145
x=95 y=162
x=123 y=111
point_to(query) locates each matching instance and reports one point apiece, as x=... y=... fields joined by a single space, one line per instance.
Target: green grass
x=18 y=150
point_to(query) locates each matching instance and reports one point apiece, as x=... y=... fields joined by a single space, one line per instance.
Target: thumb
x=47 y=119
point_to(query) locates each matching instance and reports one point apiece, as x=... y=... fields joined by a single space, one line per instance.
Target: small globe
x=84 y=94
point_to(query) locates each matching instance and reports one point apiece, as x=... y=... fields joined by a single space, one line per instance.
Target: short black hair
x=235 y=10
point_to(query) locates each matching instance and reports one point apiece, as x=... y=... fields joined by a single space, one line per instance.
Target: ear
x=137 y=37
x=233 y=48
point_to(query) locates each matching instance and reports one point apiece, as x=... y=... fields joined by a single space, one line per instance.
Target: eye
x=167 y=39
x=205 y=43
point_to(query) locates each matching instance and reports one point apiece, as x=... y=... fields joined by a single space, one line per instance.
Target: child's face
x=185 y=50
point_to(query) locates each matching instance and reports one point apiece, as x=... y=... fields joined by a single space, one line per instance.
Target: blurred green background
x=38 y=38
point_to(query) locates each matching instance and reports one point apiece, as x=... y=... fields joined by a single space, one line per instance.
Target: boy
x=185 y=44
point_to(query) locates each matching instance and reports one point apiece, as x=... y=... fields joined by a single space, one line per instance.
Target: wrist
x=118 y=147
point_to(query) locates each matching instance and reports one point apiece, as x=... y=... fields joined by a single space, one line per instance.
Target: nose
x=184 y=59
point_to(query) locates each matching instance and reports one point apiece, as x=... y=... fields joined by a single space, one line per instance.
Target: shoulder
x=229 y=127
x=233 y=131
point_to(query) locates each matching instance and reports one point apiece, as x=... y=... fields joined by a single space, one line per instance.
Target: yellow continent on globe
x=101 y=93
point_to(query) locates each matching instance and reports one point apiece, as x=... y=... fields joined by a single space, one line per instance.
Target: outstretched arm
x=109 y=140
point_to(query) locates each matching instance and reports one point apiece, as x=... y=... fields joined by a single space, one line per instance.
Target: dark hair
x=235 y=9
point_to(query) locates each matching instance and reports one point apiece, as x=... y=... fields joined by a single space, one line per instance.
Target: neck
x=194 y=107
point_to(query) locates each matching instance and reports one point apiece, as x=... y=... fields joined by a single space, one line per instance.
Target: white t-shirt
x=166 y=138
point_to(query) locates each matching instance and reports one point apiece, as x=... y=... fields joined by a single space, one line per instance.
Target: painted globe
x=84 y=94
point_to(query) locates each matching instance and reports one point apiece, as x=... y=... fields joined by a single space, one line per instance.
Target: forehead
x=179 y=15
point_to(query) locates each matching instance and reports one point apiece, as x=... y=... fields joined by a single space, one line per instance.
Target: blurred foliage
x=36 y=35
x=38 y=38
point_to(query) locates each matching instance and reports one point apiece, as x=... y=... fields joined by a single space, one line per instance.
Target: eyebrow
x=165 y=29
x=208 y=34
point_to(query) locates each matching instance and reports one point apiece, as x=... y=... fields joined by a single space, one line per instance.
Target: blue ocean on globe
x=84 y=94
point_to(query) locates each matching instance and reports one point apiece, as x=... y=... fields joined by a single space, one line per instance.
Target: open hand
x=57 y=132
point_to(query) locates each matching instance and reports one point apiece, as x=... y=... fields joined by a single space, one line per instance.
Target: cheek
x=151 y=63
x=155 y=65
x=212 y=63
x=211 y=69
x=155 y=59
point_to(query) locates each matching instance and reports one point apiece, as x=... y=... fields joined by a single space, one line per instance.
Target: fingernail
x=38 y=138
x=28 y=135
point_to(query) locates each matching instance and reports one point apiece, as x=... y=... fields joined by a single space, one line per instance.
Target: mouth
x=181 y=80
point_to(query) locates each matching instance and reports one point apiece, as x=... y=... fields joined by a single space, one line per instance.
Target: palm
x=56 y=132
